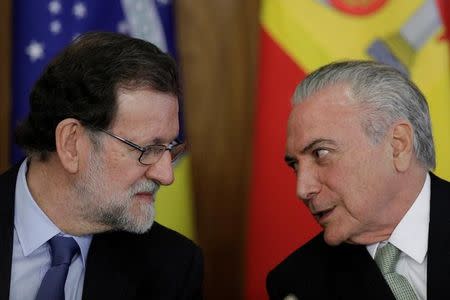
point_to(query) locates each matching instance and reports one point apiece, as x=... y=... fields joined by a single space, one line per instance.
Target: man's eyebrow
x=291 y=160
x=159 y=141
x=314 y=143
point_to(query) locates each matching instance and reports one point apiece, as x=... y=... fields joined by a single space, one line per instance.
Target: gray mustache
x=144 y=187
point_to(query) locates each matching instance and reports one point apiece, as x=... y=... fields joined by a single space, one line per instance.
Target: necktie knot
x=63 y=250
x=387 y=258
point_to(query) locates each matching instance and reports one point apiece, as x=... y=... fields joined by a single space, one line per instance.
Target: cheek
x=363 y=187
x=348 y=183
x=122 y=168
x=120 y=178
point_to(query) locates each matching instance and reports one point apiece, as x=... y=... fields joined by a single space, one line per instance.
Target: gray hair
x=385 y=94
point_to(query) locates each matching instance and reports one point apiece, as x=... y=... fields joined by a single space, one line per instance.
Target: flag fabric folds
x=300 y=36
x=42 y=28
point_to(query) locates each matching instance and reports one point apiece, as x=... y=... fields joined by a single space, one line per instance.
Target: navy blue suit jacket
x=319 y=271
x=159 y=264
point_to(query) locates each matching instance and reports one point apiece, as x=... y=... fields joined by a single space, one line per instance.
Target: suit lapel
x=109 y=273
x=7 y=191
x=438 y=268
x=357 y=275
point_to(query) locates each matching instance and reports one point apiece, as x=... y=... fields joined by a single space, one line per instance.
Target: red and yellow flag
x=298 y=36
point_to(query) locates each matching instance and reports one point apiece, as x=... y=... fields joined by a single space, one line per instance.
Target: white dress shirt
x=31 y=252
x=411 y=237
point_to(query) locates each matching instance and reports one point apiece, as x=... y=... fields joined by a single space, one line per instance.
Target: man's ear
x=68 y=140
x=402 y=145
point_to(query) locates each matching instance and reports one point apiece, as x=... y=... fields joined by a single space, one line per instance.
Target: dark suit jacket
x=160 y=264
x=319 y=271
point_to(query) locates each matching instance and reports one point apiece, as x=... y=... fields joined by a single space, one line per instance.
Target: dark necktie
x=386 y=259
x=63 y=250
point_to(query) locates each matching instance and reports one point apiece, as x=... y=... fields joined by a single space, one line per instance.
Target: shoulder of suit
x=158 y=237
x=168 y=236
x=160 y=247
x=439 y=182
x=157 y=232
x=10 y=174
x=162 y=243
x=312 y=254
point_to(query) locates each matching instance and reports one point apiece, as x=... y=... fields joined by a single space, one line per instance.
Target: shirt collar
x=411 y=234
x=32 y=225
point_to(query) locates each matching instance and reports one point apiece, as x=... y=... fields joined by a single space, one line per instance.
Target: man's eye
x=320 y=153
x=154 y=150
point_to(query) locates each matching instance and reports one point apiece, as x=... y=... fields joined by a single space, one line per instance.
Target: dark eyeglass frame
x=161 y=148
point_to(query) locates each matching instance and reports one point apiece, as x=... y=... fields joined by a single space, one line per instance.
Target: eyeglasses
x=152 y=154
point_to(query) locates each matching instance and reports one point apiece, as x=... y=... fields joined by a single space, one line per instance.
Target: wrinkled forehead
x=322 y=115
x=148 y=110
x=335 y=98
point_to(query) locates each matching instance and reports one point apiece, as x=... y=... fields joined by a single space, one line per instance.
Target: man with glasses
x=77 y=218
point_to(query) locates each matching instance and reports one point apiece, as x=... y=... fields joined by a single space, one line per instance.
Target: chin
x=143 y=222
x=138 y=227
x=139 y=219
x=332 y=239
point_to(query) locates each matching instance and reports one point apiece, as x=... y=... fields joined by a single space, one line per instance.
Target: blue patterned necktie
x=63 y=250
x=386 y=259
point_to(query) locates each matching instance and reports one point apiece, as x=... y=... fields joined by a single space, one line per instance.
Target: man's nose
x=308 y=183
x=162 y=170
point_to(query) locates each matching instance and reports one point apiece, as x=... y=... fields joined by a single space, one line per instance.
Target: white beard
x=119 y=210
